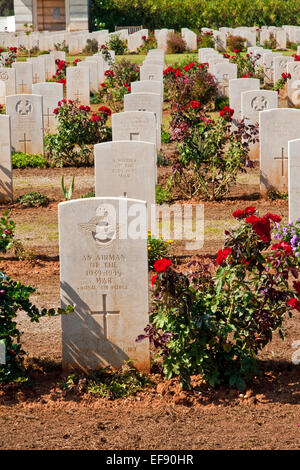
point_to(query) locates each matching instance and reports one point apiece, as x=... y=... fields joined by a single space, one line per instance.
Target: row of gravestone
x=103 y=249
x=277 y=126
x=76 y=41
x=103 y=240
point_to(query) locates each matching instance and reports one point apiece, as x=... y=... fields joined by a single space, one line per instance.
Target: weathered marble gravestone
x=202 y=52
x=236 y=87
x=52 y=93
x=24 y=77
x=147 y=86
x=268 y=65
x=252 y=103
x=104 y=274
x=120 y=169
x=134 y=125
x=38 y=69
x=280 y=66
x=224 y=72
x=58 y=55
x=8 y=79
x=294 y=179
x=93 y=71
x=151 y=72
x=293 y=84
x=78 y=85
x=281 y=39
x=100 y=66
x=190 y=38
x=26 y=113
x=150 y=102
x=277 y=127
x=6 y=190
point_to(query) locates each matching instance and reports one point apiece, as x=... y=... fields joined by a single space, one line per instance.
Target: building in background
x=52 y=15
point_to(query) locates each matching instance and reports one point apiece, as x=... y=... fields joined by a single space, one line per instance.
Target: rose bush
x=210 y=152
x=77 y=131
x=215 y=324
x=190 y=82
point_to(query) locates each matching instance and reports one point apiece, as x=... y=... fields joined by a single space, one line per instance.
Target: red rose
x=283 y=246
x=154 y=279
x=249 y=210
x=222 y=255
x=261 y=226
x=273 y=217
x=95 y=117
x=294 y=303
x=162 y=265
x=296 y=285
x=55 y=111
x=105 y=110
x=195 y=104
x=238 y=214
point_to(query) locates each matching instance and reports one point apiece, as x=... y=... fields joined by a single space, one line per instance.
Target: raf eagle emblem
x=102 y=227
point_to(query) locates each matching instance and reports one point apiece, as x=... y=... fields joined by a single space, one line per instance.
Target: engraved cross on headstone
x=77 y=95
x=36 y=78
x=24 y=142
x=105 y=312
x=225 y=83
x=22 y=85
x=282 y=158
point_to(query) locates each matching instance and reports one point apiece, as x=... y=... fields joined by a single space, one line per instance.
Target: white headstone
x=150 y=102
x=120 y=169
x=26 y=113
x=38 y=70
x=277 y=127
x=8 y=80
x=104 y=274
x=252 y=103
x=294 y=179
x=147 y=86
x=6 y=191
x=93 y=70
x=52 y=93
x=236 y=87
x=293 y=84
x=151 y=72
x=78 y=85
x=134 y=125
x=280 y=66
x=224 y=72
x=24 y=77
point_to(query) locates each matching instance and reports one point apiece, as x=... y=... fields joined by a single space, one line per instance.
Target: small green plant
x=89 y=194
x=163 y=195
x=108 y=383
x=67 y=194
x=21 y=252
x=91 y=47
x=165 y=136
x=34 y=199
x=206 y=39
x=220 y=102
x=14 y=298
x=273 y=195
x=117 y=44
x=23 y=160
x=157 y=248
x=162 y=160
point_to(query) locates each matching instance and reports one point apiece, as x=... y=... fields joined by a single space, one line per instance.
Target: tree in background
x=6 y=7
